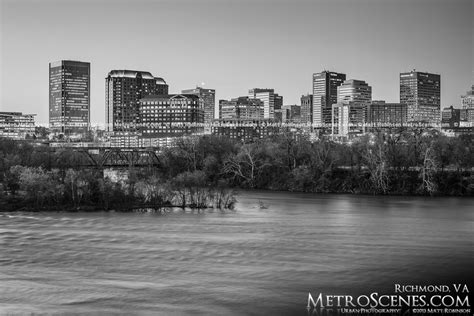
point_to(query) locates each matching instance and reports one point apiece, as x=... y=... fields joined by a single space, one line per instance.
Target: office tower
x=241 y=108
x=356 y=91
x=269 y=98
x=421 y=92
x=349 y=113
x=16 y=125
x=307 y=108
x=325 y=95
x=173 y=115
x=467 y=102
x=123 y=91
x=208 y=97
x=69 y=97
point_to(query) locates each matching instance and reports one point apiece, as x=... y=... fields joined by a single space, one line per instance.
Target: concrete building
x=208 y=97
x=291 y=113
x=170 y=116
x=324 y=96
x=356 y=91
x=467 y=102
x=241 y=108
x=349 y=114
x=123 y=91
x=382 y=114
x=421 y=92
x=69 y=97
x=245 y=130
x=16 y=125
x=270 y=99
x=307 y=109
x=450 y=117
x=348 y=119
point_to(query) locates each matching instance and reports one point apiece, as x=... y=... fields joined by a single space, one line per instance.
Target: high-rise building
x=325 y=95
x=241 y=108
x=208 y=97
x=421 y=92
x=123 y=91
x=269 y=98
x=69 y=97
x=307 y=108
x=467 y=102
x=349 y=113
x=356 y=91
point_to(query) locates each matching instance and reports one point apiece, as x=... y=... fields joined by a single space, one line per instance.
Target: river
x=253 y=260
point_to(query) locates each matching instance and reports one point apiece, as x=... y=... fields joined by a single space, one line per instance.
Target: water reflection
x=250 y=261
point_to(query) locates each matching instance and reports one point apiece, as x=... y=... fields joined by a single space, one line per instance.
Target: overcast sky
x=233 y=45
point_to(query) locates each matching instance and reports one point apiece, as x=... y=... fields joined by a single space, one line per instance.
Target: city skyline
x=365 y=43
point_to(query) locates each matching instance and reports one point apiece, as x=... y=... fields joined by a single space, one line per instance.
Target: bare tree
x=246 y=164
x=428 y=170
x=376 y=163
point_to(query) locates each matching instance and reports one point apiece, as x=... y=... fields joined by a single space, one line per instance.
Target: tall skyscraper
x=325 y=95
x=123 y=91
x=69 y=97
x=269 y=98
x=421 y=92
x=208 y=97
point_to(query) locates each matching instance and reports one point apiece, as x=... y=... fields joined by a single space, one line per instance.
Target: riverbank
x=201 y=172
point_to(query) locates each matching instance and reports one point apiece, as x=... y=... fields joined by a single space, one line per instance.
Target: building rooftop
x=134 y=74
x=169 y=96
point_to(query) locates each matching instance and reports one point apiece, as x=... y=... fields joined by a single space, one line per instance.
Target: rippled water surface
x=250 y=261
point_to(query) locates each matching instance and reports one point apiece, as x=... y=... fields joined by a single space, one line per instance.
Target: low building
x=16 y=125
x=455 y=122
x=386 y=116
x=291 y=113
x=241 y=108
x=245 y=130
x=348 y=119
x=173 y=115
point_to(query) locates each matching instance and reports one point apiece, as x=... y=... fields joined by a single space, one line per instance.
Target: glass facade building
x=421 y=92
x=325 y=95
x=123 y=91
x=69 y=97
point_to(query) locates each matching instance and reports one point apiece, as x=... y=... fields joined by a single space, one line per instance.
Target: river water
x=251 y=261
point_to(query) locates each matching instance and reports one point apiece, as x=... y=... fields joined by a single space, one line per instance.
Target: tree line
x=201 y=171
